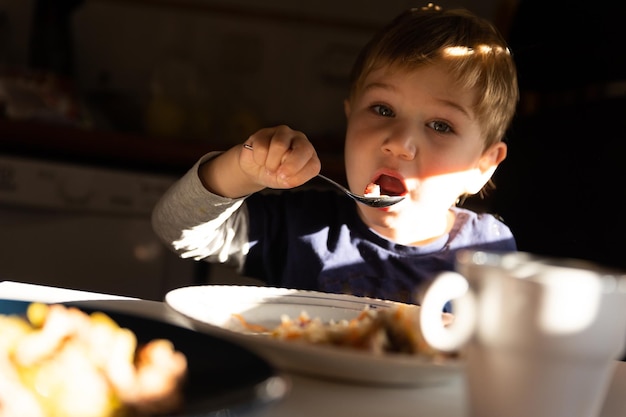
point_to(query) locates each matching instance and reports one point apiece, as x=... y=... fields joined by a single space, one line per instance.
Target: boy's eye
x=439 y=126
x=383 y=110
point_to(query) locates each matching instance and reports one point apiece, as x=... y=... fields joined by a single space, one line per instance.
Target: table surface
x=310 y=396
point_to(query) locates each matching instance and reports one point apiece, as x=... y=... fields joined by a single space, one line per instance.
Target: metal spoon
x=378 y=202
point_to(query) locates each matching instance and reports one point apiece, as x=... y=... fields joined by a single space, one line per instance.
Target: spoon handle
x=379 y=202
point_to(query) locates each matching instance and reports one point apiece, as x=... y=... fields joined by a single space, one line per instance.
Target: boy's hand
x=280 y=158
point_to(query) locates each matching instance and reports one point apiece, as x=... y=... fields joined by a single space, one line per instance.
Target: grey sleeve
x=198 y=224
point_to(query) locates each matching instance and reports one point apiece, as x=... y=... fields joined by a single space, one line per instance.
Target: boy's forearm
x=223 y=176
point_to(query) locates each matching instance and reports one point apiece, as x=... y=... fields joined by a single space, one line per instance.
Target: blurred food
x=392 y=330
x=62 y=362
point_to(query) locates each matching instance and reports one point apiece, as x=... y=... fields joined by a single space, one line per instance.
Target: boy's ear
x=487 y=165
x=346 y=108
x=492 y=157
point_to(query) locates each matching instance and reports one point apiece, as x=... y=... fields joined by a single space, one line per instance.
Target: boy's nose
x=402 y=144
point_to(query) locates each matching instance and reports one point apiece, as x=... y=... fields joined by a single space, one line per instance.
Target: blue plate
x=13 y=307
x=223 y=378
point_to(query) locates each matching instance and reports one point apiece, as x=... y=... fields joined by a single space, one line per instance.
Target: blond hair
x=471 y=48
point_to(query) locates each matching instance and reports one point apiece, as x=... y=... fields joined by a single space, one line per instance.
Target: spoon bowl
x=372 y=201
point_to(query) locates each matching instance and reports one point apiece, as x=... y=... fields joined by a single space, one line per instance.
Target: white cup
x=540 y=336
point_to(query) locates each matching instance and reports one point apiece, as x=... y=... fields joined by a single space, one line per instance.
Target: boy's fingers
x=282 y=157
x=282 y=144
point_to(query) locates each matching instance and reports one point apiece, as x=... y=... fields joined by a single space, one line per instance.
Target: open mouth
x=385 y=185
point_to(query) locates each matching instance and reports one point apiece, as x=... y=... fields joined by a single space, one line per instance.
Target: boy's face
x=415 y=132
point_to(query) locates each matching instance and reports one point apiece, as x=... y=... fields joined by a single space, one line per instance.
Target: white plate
x=211 y=308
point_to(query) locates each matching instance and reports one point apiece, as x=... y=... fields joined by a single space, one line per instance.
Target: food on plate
x=383 y=330
x=59 y=361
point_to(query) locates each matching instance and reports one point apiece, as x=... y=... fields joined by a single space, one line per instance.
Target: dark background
x=562 y=189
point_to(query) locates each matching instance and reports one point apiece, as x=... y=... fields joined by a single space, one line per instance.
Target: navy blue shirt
x=315 y=240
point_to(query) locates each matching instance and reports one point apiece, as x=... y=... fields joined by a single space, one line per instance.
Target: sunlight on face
x=424 y=214
x=440 y=192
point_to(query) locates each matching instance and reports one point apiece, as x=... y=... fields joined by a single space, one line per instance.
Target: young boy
x=431 y=97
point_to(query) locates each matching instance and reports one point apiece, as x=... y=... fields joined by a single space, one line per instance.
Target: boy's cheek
x=354 y=150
